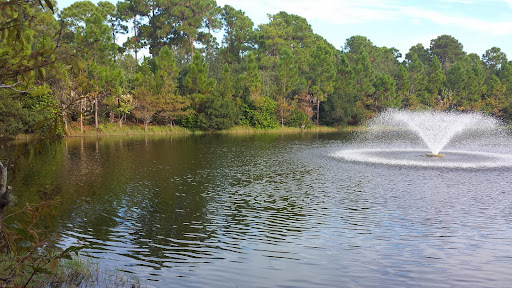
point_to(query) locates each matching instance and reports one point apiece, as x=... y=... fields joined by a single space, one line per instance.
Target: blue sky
x=477 y=24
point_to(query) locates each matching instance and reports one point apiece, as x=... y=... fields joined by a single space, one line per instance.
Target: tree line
x=66 y=66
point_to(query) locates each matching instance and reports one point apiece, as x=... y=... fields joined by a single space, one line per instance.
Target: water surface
x=275 y=211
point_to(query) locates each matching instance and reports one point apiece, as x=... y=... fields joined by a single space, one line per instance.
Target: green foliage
x=191 y=121
x=219 y=114
x=385 y=96
x=436 y=83
x=239 y=34
x=197 y=84
x=13 y=118
x=189 y=77
x=423 y=54
x=261 y=114
x=447 y=49
x=26 y=250
x=299 y=119
x=251 y=79
x=418 y=81
x=178 y=23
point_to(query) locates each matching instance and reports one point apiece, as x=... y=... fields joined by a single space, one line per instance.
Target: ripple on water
x=419 y=158
x=286 y=213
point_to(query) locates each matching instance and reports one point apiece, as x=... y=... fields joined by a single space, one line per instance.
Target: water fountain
x=435 y=129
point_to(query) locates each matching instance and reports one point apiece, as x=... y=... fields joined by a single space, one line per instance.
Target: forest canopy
x=67 y=65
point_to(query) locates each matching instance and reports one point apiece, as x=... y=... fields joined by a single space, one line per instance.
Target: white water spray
x=388 y=136
x=435 y=128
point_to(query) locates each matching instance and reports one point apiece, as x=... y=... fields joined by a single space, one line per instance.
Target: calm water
x=274 y=211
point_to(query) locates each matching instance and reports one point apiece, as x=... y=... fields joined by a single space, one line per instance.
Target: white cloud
x=331 y=11
x=340 y=12
x=474 y=24
x=458 y=1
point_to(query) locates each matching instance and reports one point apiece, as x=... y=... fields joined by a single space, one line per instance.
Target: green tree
x=408 y=100
x=179 y=23
x=197 y=84
x=172 y=106
x=356 y=44
x=261 y=113
x=147 y=102
x=494 y=59
x=166 y=70
x=455 y=80
x=239 y=34
x=134 y=11
x=437 y=81
x=225 y=86
x=423 y=54
x=322 y=75
x=21 y=23
x=92 y=38
x=364 y=79
x=447 y=49
x=219 y=113
x=285 y=31
x=288 y=79
x=251 y=79
x=418 y=80
x=495 y=101
x=341 y=104
x=212 y=22
x=385 y=95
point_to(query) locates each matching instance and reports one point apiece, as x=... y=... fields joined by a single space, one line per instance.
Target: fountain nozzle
x=435 y=155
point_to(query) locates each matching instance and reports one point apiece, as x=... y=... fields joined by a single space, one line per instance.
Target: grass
x=77 y=272
x=126 y=129
x=138 y=129
x=132 y=129
x=248 y=129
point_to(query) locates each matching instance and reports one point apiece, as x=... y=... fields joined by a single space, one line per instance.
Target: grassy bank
x=113 y=129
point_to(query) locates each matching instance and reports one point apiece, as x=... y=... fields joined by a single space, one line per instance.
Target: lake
x=271 y=210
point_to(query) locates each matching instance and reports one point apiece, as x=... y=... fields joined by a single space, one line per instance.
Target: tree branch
x=12 y=87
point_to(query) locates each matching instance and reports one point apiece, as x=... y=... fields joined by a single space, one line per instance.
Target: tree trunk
x=191 y=49
x=81 y=122
x=4 y=190
x=65 y=119
x=282 y=117
x=135 y=30
x=317 y=110
x=96 y=112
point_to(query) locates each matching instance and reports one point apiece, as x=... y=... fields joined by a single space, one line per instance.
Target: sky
x=477 y=24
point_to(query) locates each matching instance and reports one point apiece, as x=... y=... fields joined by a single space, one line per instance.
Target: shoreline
x=113 y=129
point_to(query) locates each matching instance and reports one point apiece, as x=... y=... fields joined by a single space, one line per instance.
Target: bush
x=191 y=121
x=261 y=114
x=219 y=114
x=299 y=119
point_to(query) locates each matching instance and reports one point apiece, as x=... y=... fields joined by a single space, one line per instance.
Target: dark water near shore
x=269 y=210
